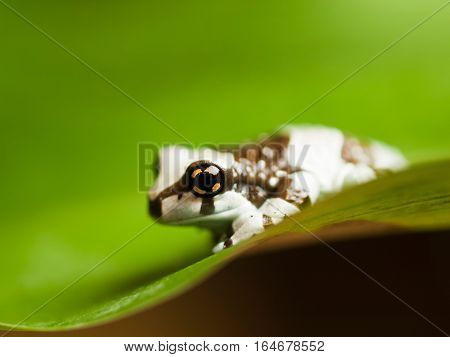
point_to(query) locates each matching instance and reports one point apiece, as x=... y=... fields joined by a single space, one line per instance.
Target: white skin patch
x=310 y=166
x=273 y=181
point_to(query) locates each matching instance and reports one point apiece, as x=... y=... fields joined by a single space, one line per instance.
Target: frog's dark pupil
x=205 y=181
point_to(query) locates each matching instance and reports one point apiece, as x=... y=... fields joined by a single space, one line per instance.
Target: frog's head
x=194 y=187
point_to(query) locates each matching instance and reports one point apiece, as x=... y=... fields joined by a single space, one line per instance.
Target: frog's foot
x=219 y=247
x=227 y=242
x=222 y=238
x=244 y=227
x=273 y=211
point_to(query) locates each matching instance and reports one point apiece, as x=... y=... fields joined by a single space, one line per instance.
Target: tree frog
x=238 y=192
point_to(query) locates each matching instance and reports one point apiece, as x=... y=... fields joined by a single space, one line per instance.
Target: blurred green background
x=217 y=72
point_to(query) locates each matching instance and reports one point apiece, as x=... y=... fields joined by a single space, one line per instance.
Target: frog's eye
x=204 y=179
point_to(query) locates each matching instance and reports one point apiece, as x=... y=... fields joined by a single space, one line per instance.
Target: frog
x=238 y=192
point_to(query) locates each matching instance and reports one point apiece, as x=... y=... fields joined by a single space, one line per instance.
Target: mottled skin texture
x=238 y=192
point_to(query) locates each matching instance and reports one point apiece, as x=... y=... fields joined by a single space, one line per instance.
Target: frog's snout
x=154 y=207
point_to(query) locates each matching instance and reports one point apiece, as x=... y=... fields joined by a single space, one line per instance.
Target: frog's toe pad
x=219 y=247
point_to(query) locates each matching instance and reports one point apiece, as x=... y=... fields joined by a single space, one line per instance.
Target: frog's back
x=337 y=159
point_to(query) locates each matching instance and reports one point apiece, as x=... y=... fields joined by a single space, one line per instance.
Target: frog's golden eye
x=204 y=179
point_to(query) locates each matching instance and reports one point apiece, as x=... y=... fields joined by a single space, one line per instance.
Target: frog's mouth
x=208 y=220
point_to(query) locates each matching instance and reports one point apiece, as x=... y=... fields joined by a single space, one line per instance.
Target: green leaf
x=150 y=269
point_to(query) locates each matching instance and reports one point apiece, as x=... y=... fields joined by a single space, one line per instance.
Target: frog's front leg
x=252 y=222
x=244 y=227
